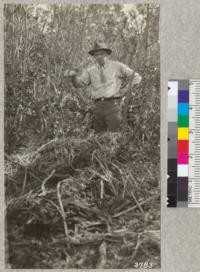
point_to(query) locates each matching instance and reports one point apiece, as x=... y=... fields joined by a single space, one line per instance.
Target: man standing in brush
x=106 y=79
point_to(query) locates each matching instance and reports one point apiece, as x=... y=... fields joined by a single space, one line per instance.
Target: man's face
x=100 y=57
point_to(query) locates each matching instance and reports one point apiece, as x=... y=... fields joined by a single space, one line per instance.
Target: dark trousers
x=107 y=115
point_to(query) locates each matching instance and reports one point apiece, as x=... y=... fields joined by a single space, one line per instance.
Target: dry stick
x=103 y=178
x=138 y=204
x=38 y=111
x=153 y=238
x=25 y=48
x=132 y=208
x=62 y=209
x=102 y=189
x=43 y=146
x=45 y=181
x=137 y=247
x=104 y=169
x=102 y=253
x=114 y=237
x=24 y=182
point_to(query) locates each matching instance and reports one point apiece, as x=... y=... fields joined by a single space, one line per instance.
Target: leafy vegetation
x=75 y=199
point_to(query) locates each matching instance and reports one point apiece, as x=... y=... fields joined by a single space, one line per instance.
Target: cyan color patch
x=183 y=108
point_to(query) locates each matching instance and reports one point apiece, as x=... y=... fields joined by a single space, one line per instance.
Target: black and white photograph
x=82 y=136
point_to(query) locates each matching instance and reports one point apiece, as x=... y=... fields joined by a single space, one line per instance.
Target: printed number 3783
x=143 y=265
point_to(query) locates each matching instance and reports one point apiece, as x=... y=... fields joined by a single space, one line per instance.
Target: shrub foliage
x=75 y=199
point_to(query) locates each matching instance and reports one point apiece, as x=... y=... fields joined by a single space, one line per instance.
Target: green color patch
x=183 y=121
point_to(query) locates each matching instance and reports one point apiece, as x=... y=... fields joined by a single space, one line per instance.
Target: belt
x=107 y=98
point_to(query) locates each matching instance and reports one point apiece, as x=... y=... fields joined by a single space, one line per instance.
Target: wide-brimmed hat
x=99 y=45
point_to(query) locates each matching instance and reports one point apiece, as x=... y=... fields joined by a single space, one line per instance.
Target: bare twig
x=102 y=189
x=24 y=182
x=134 y=207
x=41 y=148
x=138 y=204
x=137 y=247
x=62 y=208
x=45 y=181
x=102 y=253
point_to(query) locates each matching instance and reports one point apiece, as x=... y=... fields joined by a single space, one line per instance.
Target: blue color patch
x=183 y=108
x=183 y=96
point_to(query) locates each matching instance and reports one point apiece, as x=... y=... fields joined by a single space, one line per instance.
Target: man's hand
x=70 y=73
x=137 y=78
x=73 y=76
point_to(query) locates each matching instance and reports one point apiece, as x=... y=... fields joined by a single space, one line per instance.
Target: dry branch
x=102 y=252
x=44 y=192
x=59 y=195
x=134 y=207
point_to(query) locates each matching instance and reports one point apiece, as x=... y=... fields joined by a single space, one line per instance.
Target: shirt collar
x=105 y=64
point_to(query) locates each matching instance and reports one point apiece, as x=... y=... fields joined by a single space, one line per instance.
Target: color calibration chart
x=183 y=180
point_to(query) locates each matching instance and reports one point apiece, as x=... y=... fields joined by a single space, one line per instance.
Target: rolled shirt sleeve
x=128 y=72
x=125 y=70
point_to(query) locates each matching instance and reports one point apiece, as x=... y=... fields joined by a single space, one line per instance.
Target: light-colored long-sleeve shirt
x=107 y=80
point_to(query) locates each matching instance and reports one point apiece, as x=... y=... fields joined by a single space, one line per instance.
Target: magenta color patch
x=182 y=158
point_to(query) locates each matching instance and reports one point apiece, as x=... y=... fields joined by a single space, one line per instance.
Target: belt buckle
x=102 y=99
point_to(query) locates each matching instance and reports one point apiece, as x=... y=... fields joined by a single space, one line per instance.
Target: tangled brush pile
x=75 y=194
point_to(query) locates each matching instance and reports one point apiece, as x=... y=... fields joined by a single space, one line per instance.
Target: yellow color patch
x=183 y=133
